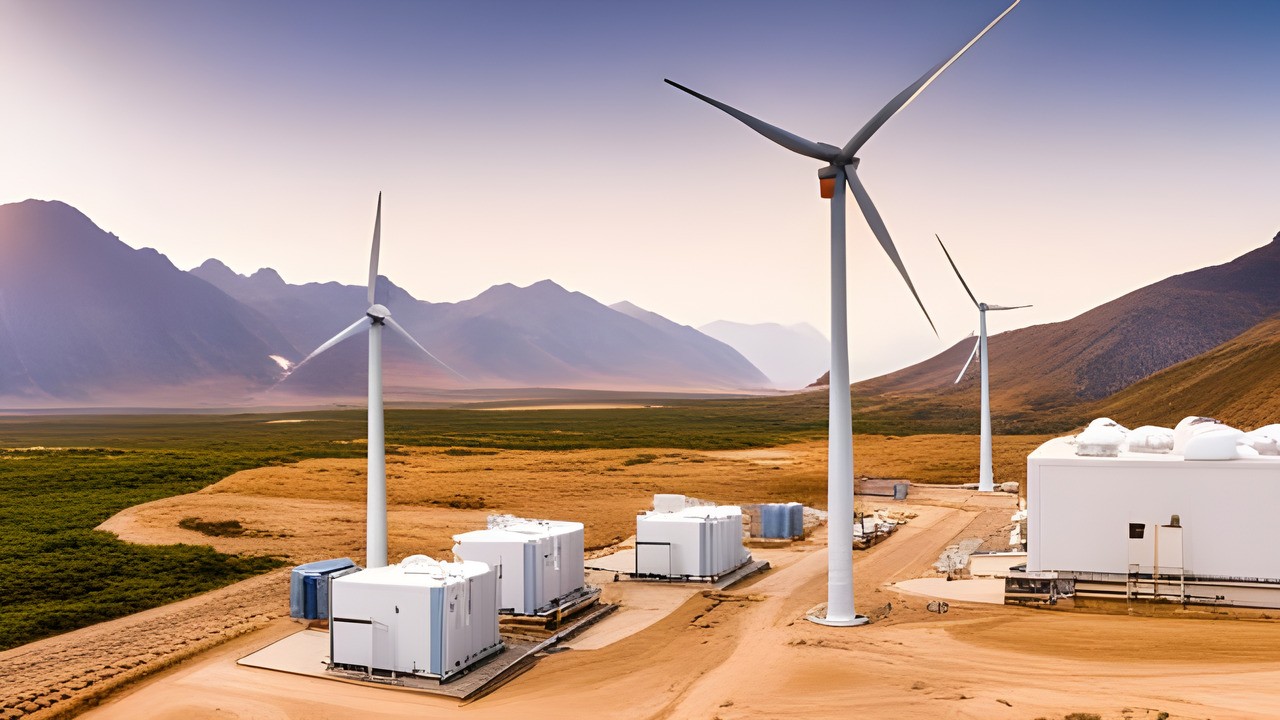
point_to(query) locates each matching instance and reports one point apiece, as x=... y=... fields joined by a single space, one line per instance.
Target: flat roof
x=1064 y=448
x=418 y=574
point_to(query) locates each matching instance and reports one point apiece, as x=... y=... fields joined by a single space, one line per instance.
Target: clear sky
x=1081 y=150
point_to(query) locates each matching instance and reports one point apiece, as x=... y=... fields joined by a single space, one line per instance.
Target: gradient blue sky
x=1079 y=151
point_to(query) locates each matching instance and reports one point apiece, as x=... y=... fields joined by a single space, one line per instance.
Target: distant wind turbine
x=374 y=319
x=842 y=165
x=986 y=479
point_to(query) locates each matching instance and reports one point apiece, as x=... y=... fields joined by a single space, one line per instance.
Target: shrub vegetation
x=61 y=476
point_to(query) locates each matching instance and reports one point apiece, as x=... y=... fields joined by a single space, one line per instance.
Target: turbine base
x=818 y=616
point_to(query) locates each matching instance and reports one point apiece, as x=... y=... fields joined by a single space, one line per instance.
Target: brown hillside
x=1237 y=382
x=1108 y=348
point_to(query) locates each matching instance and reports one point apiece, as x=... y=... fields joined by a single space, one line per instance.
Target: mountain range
x=87 y=320
x=84 y=318
x=1214 y=326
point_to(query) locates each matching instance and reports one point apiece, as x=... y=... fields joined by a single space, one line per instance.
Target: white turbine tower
x=986 y=479
x=841 y=167
x=374 y=319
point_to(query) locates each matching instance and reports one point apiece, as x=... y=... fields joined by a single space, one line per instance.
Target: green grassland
x=61 y=476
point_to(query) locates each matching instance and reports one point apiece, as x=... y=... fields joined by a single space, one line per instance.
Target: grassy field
x=61 y=476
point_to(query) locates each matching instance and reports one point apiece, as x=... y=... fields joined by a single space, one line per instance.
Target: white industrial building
x=689 y=542
x=539 y=563
x=1138 y=518
x=420 y=617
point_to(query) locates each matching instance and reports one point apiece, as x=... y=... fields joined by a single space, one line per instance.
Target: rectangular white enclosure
x=539 y=562
x=691 y=542
x=1112 y=515
x=419 y=617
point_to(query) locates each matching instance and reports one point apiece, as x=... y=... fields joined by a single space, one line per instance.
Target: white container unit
x=539 y=562
x=691 y=542
x=1111 y=520
x=420 y=617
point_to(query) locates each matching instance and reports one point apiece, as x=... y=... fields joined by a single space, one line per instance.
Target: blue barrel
x=795 y=513
x=309 y=588
x=771 y=520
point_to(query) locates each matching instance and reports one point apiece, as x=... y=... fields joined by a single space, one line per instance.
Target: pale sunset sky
x=1079 y=151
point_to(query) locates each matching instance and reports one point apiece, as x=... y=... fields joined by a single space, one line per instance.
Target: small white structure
x=539 y=562
x=695 y=542
x=1157 y=524
x=420 y=617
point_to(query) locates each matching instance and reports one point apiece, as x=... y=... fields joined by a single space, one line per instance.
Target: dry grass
x=315 y=508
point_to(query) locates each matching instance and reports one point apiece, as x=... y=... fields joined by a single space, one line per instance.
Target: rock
x=1009 y=487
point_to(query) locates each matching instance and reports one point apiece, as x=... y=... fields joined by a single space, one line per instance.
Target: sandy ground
x=745 y=653
x=980 y=590
x=748 y=653
x=573 y=406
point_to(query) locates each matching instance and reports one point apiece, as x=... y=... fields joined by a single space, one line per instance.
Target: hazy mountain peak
x=791 y=355
x=267 y=276
x=214 y=265
x=49 y=223
x=630 y=309
x=116 y=321
x=547 y=289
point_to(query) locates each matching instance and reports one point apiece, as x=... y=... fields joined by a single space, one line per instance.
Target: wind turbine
x=375 y=318
x=842 y=164
x=986 y=480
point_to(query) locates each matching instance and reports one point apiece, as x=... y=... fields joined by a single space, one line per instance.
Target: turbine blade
x=905 y=97
x=354 y=328
x=391 y=323
x=790 y=141
x=882 y=234
x=967 y=363
x=953 y=267
x=373 y=254
x=1007 y=307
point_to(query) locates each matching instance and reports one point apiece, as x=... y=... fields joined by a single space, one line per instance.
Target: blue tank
x=309 y=588
x=795 y=514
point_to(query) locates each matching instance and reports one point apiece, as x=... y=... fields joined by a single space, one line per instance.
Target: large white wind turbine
x=841 y=167
x=986 y=479
x=375 y=318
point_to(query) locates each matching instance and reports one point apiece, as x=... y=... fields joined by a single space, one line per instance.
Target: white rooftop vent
x=1214 y=442
x=1265 y=440
x=1189 y=426
x=1150 y=439
x=1102 y=438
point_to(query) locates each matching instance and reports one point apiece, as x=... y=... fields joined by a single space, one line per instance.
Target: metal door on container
x=653 y=558
x=383 y=646
x=352 y=642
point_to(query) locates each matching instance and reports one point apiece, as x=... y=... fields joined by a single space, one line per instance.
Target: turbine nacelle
x=377 y=313
x=829 y=176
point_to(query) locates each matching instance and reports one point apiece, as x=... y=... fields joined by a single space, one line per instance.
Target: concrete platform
x=623 y=563
x=307 y=653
